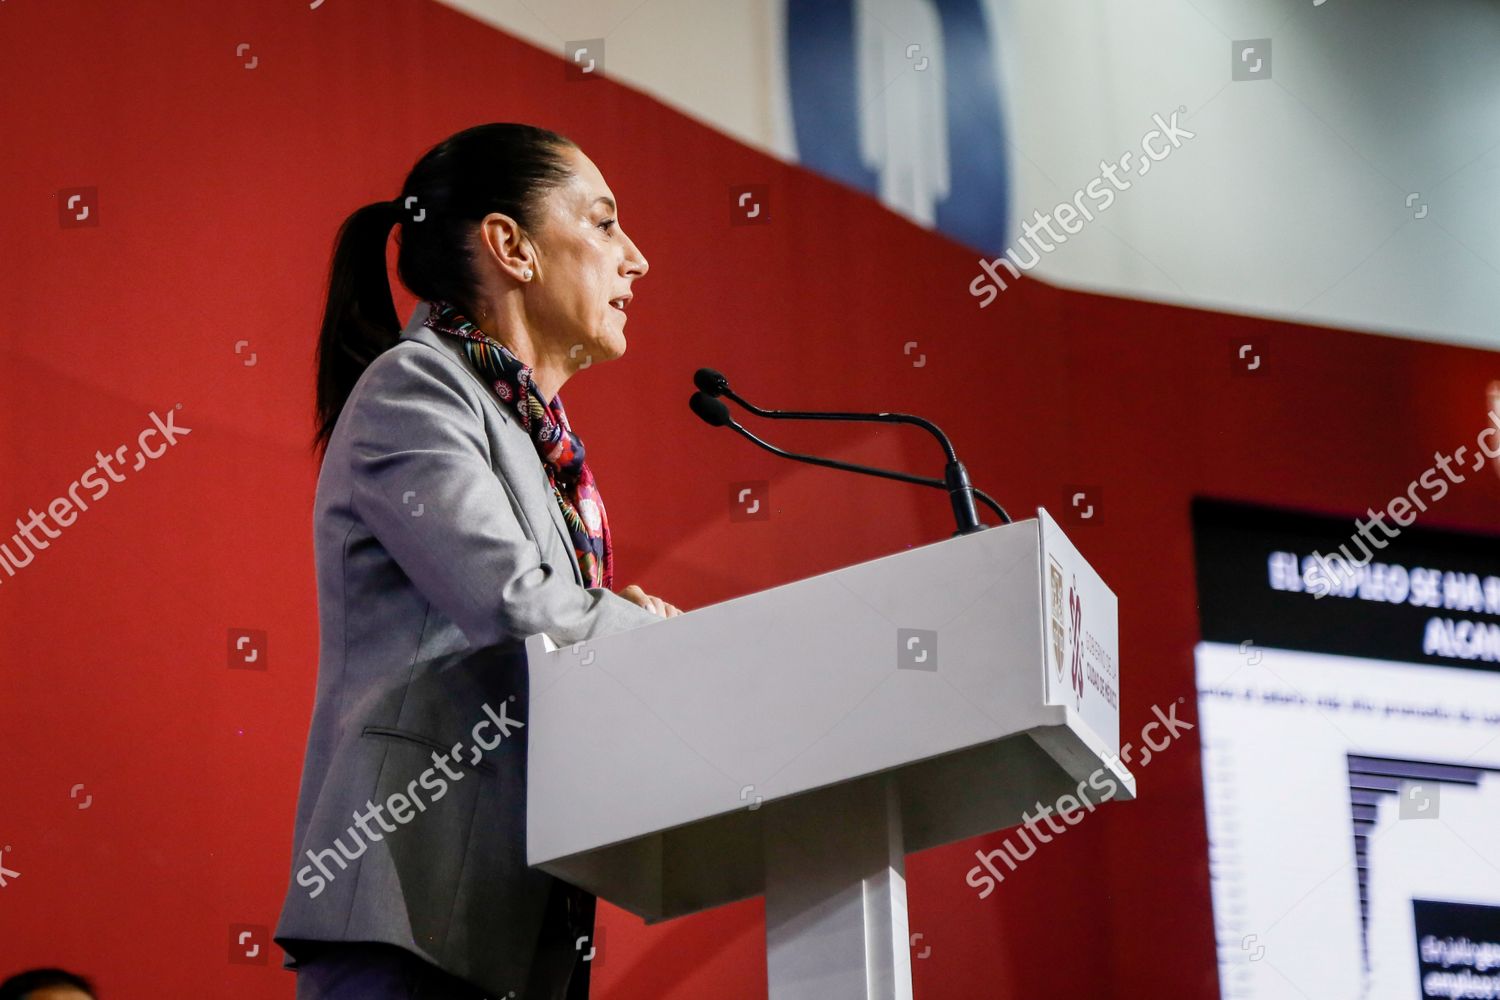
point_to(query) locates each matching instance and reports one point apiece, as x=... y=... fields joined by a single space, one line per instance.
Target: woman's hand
x=655 y=605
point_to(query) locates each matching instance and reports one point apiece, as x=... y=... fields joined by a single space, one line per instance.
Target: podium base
x=836 y=895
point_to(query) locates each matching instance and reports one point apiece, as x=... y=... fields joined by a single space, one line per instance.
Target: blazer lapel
x=414 y=330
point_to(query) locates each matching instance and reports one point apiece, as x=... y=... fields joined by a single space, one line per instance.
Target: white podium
x=800 y=741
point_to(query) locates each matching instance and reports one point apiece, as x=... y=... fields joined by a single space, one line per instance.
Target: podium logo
x=1059 y=630
x=916 y=649
x=1075 y=611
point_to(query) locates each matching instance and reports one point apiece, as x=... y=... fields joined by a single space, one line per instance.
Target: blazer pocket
x=401 y=735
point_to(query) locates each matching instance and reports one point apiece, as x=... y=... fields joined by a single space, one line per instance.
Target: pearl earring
x=526 y=274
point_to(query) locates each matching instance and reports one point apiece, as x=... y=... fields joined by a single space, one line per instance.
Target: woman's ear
x=507 y=244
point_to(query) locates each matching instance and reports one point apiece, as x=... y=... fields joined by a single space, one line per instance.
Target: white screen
x=1291 y=740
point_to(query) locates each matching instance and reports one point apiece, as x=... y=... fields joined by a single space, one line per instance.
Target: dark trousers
x=344 y=970
x=349 y=970
x=361 y=971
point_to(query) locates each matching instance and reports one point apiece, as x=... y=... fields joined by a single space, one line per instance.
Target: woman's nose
x=635 y=262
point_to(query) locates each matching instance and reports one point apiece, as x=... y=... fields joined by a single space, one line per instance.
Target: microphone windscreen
x=711 y=411
x=710 y=381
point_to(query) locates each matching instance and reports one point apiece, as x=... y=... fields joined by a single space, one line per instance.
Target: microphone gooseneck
x=955 y=481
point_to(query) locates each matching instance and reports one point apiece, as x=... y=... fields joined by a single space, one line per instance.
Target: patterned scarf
x=561 y=450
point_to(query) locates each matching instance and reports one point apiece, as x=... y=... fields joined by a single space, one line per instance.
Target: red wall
x=219 y=191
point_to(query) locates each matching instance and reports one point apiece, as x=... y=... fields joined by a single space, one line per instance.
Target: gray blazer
x=439 y=549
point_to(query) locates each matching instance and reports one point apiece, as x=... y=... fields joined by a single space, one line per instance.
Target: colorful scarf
x=561 y=450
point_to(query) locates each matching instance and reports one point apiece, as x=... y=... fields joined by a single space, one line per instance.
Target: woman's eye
x=606 y=224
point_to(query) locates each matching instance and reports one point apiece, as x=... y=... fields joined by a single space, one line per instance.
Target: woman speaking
x=455 y=515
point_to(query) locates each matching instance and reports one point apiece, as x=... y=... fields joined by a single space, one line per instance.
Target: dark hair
x=22 y=983
x=500 y=167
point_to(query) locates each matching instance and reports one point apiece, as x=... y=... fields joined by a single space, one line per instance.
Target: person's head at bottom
x=47 y=984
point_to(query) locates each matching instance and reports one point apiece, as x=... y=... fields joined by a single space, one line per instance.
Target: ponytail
x=359 y=320
x=500 y=167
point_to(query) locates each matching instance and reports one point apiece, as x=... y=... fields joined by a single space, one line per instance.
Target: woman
x=455 y=515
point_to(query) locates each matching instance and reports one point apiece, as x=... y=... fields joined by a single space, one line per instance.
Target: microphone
x=955 y=477
x=711 y=382
x=713 y=412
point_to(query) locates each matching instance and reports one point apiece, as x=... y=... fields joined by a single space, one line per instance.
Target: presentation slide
x=1349 y=699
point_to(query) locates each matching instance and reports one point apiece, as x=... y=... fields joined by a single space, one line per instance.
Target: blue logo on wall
x=836 y=124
